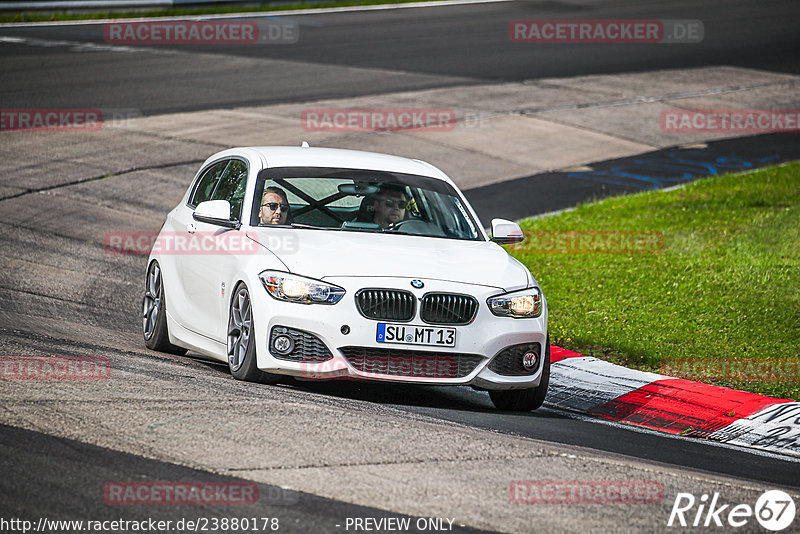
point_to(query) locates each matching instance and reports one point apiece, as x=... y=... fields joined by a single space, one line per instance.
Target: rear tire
x=242 y=341
x=154 y=314
x=524 y=400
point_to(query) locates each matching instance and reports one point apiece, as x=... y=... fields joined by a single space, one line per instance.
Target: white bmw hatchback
x=323 y=263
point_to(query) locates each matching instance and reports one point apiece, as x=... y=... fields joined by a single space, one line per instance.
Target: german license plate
x=416 y=335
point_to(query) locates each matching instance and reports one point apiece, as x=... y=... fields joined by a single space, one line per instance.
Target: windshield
x=361 y=201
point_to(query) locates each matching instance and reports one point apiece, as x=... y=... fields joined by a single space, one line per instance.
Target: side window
x=231 y=187
x=206 y=183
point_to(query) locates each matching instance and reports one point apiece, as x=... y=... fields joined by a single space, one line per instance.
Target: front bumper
x=344 y=345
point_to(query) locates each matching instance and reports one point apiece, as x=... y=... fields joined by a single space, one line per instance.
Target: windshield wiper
x=311 y=226
x=397 y=232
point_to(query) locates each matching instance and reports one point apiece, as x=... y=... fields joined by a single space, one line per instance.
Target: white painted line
x=549 y=213
x=262 y=14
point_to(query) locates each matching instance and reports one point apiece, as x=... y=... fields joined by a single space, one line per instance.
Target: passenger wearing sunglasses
x=274 y=206
x=390 y=206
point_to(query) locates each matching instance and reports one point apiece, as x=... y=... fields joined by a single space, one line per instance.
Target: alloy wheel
x=240 y=326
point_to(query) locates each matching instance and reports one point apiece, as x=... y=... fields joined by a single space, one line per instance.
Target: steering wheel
x=416 y=227
x=398 y=224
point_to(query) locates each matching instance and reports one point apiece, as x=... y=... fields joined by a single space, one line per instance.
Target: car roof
x=294 y=156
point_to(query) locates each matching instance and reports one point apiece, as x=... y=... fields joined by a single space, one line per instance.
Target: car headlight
x=526 y=303
x=293 y=288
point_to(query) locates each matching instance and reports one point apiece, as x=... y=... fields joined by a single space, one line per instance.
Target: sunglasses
x=401 y=204
x=274 y=206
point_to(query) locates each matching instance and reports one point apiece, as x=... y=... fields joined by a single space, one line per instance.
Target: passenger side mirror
x=217 y=212
x=506 y=232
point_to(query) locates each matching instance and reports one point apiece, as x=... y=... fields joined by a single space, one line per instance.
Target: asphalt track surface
x=435 y=47
x=59 y=462
x=553 y=191
x=413 y=48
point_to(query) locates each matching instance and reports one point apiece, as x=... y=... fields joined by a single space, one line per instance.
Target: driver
x=390 y=205
x=274 y=206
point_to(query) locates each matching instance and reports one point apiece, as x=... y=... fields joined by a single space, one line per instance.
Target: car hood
x=327 y=254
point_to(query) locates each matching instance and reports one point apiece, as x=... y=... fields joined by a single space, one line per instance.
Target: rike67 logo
x=774 y=510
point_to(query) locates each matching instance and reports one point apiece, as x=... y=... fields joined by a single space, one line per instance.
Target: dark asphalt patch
x=71 y=477
x=551 y=191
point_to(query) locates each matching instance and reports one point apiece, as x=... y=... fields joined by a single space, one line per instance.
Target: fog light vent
x=297 y=346
x=517 y=360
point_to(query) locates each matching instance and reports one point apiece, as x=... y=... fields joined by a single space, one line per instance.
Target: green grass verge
x=33 y=16
x=717 y=299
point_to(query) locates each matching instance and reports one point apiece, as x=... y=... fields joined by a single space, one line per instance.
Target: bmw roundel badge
x=417 y=284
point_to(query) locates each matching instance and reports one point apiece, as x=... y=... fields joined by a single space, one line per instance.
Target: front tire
x=154 y=314
x=242 y=341
x=524 y=400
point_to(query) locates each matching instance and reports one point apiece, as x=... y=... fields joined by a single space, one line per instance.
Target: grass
x=32 y=16
x=718 y=300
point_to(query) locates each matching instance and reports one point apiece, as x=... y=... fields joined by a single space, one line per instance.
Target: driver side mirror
x=506 y=232
x=216 y=212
